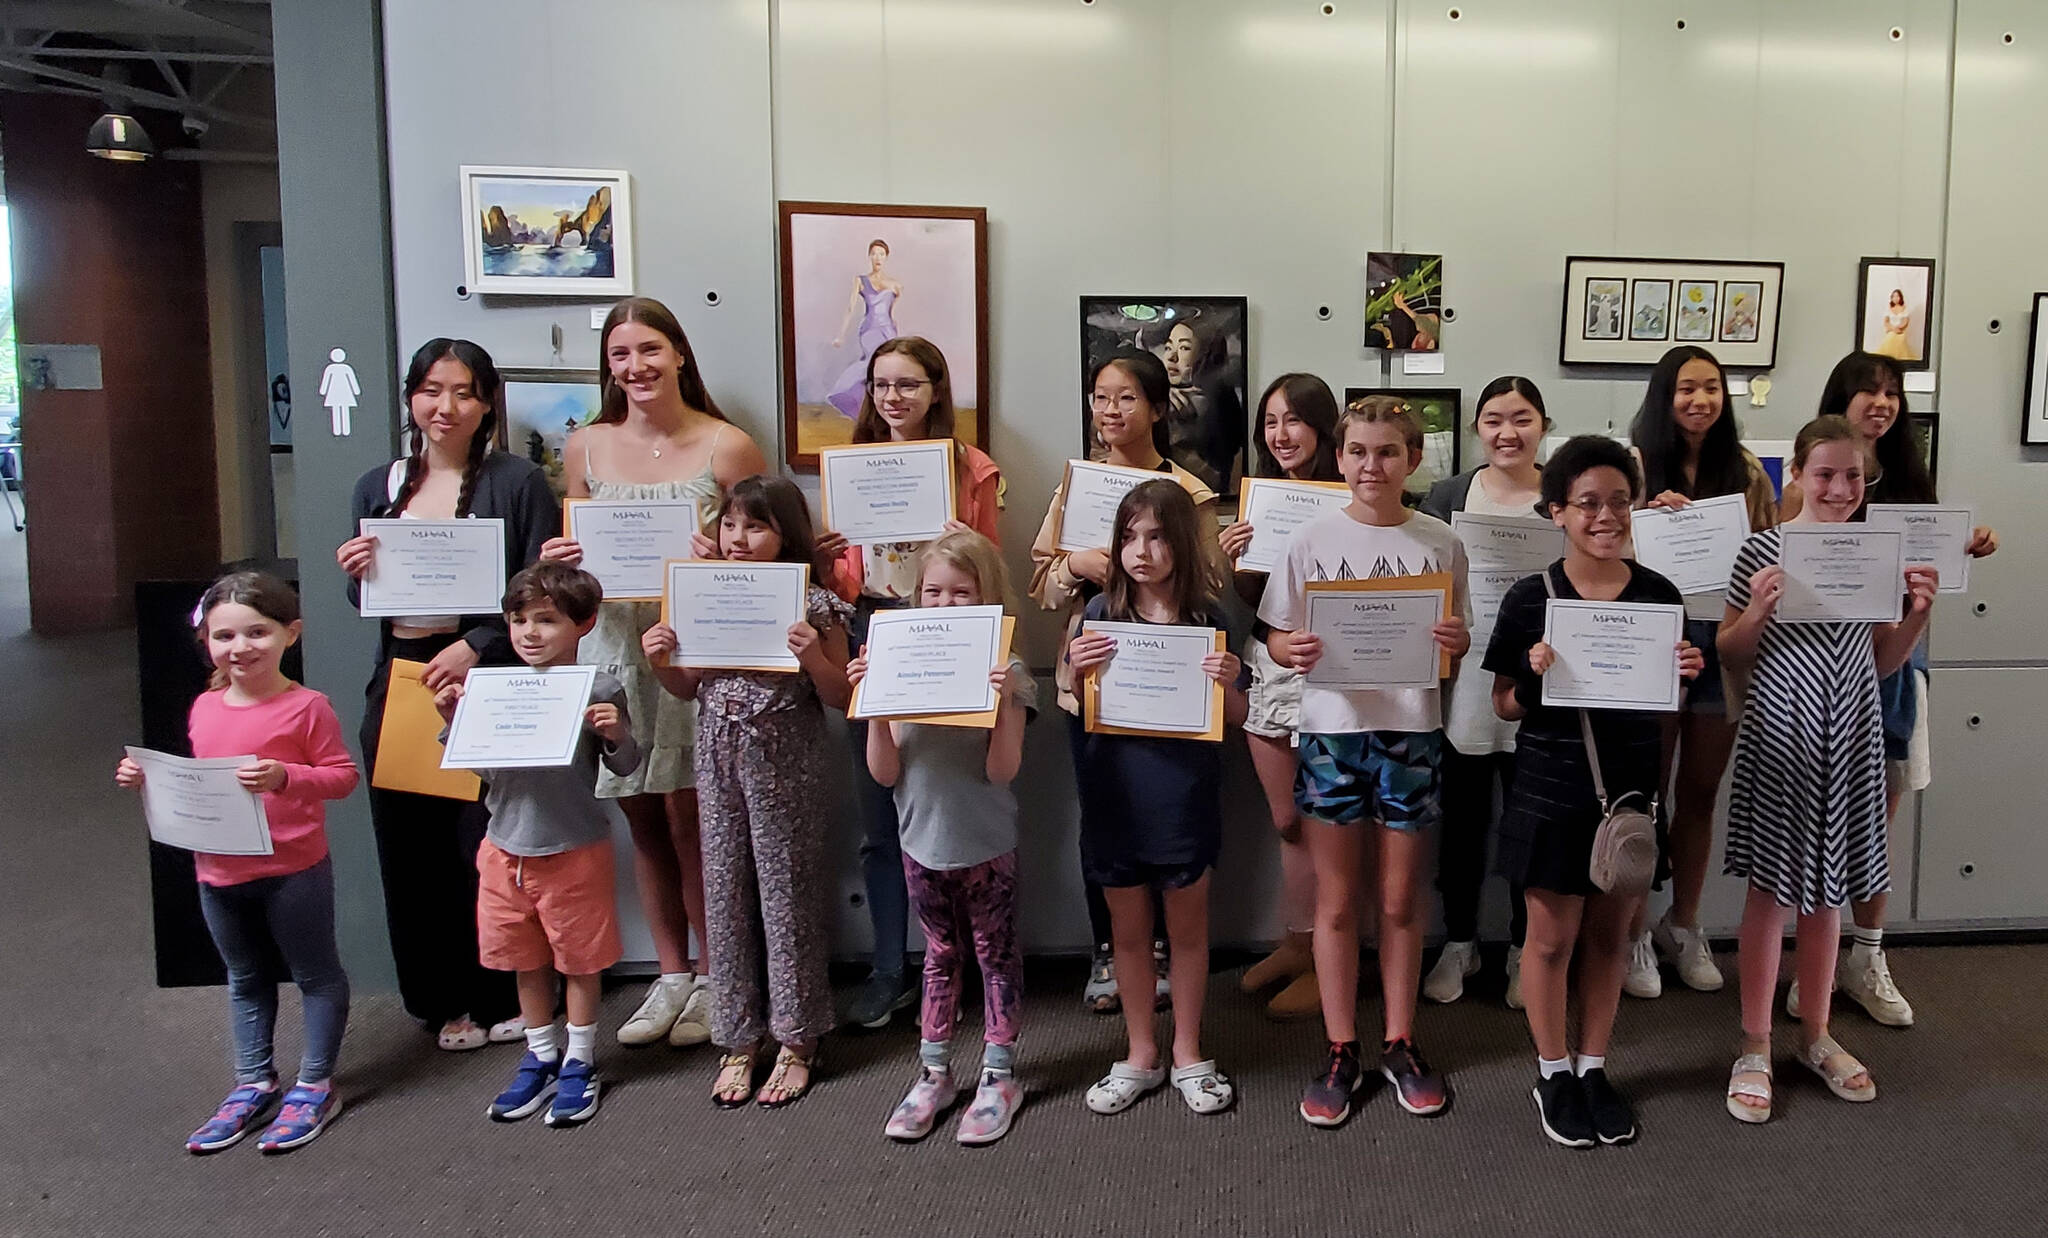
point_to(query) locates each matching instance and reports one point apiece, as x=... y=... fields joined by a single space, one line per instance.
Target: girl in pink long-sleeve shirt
x=281 y=904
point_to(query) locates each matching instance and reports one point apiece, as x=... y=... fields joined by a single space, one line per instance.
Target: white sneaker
x=1689 y=953
x=1514 y=977
x=1643 y=980
x=1446 y=981
x=1864 y=976
x=1792 y=998
x=658 y=1011
x=693 y=1025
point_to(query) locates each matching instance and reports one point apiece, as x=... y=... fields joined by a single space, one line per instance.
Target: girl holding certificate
x=1691 y=448
x=658 y=436
x=1128 y=397
x=908 y=396
x=1151 y=805
x=261 y=907
x=1297 y=441
x=1479 y=748
x=1806 y=814
x=427 y=845
x=1548 y=826
x=1869 y=390
x=759 y=752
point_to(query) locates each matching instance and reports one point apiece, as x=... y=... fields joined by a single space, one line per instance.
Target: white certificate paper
x=626 y=542
x=434 y=567
x=1937 y=537
x=931 y=660
x=888 y=492
x=516 y=717
x=1376 y=639
x=734 y=615
x=1842 y=573
x=1155 y=681
x=1500 y=550
x=1088 y=506
x=1694 y=547
x=1613 y=655
x=197 y=803
x=1275 y=508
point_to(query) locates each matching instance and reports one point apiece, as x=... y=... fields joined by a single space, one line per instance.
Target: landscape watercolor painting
x=547 y=232
x=542 y=406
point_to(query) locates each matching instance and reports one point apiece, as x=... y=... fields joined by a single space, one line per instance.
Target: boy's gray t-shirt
x=950 y=814
x=549 y=811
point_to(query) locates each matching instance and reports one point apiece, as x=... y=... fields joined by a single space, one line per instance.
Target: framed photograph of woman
x=857 y=274
x=556 y=232
x=1895 y=309
x=1205 y=344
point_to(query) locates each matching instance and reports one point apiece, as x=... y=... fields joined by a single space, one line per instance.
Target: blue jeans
x=253 y=924
x=881 y=848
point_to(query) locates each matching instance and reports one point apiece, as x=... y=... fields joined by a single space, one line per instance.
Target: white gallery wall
x=1262 y=147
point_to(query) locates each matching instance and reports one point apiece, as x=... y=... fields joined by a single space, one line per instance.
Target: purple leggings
x=954 y=905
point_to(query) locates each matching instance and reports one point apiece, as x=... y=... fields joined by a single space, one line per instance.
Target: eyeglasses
x=1124 y=403
x=881 y=387
x=1590 y=508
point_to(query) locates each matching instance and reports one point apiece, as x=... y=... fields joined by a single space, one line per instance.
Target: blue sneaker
x=246 y=1107
x=304 y=1114
x=530 y=1089
x=575 y=1094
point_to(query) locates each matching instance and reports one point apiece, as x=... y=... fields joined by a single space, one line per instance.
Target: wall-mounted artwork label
x=855 y=276
x=1628 y=311
x=1895 y=309
x=1204 y=343
x=60 y=367
x=340 y=391
x=547 y=231
x=1404 y=301
x=542 y=407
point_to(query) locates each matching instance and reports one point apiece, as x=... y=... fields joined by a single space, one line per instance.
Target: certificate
x=1275 y=508
x=625 y=543
x=516 y=717
x=434 y=567
x=1155 y=684
x=931 y=660
x=1694 y=546
x=1377 y=633
x=1840 y=573
x=1938 y=537
x=734 y=615
x=1500 y=550
x=887 y=492
x=1613 y=655
x=1089 y=501
x=198 y=804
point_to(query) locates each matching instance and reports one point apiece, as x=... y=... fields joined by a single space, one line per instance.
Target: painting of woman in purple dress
x=874 y=300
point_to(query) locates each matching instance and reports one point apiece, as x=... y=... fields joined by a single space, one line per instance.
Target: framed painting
x=856 y=275
x=541 y=407
x=1437 y=409
x=551 y=232
x=1404 y=302
x=2034 y=426
x=1926 y=429
x=1623 y=311
x=1205 y=344
x=1895 y=309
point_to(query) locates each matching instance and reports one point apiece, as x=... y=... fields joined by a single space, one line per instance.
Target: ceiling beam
x=131 y=53
x=138 y=94
x=136 y=18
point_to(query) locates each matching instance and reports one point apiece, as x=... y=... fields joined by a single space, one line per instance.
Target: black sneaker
x=1327 y=1102
x=1561 y=1107
x=1418 y=1089
x=882 y=996
x=1614 y=1121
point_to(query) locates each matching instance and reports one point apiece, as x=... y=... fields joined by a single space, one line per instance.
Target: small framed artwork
x=1649 y=309
x=1926 y=429
x=1437 y=409
x=1404 y=302
x=856 y=275
x=541 y=408
x=1731 y=307
x=2035 y=428
x=547 y=232
x=1205 y=344
x=1895 y=309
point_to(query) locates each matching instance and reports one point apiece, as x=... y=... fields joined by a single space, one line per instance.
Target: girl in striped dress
x=1806 y=817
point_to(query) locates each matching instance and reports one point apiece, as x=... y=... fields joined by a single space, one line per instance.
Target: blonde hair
x=965 y=550
x=1384 y=410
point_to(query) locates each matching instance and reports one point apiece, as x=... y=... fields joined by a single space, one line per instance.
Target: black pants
x=426 y=853
x=1468 y=783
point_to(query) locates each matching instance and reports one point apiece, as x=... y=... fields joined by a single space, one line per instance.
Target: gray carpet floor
x=107 y=1073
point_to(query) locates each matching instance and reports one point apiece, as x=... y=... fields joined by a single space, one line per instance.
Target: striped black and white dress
x=1806 y=811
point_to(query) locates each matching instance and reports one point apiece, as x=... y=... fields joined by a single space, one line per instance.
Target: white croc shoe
x=1123 y=1086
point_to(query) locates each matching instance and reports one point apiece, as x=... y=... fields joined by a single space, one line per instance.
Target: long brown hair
x=868 y=426
x=1168 y=502
x=1310 y=400
x=259 y=591
x=649 y=312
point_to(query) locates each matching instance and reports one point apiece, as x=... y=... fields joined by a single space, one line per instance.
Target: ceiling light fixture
x=119 y=136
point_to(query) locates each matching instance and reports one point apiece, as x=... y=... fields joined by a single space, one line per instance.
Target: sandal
x=1846 y=1067
x=787 y=1059
x=735 y=1085
x=1122 y=1086
x=1750 y=1064
x=1205 y=1088
x=462 y=1034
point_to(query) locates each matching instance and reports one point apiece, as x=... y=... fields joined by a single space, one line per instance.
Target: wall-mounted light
x=119 y=136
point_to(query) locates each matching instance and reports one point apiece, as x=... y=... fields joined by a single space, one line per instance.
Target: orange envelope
x=409 y=742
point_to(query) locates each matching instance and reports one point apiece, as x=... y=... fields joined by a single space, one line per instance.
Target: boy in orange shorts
x=544 y=892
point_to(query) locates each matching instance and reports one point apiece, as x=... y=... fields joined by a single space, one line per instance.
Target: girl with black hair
x=427 y=845
x=1691 y=448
